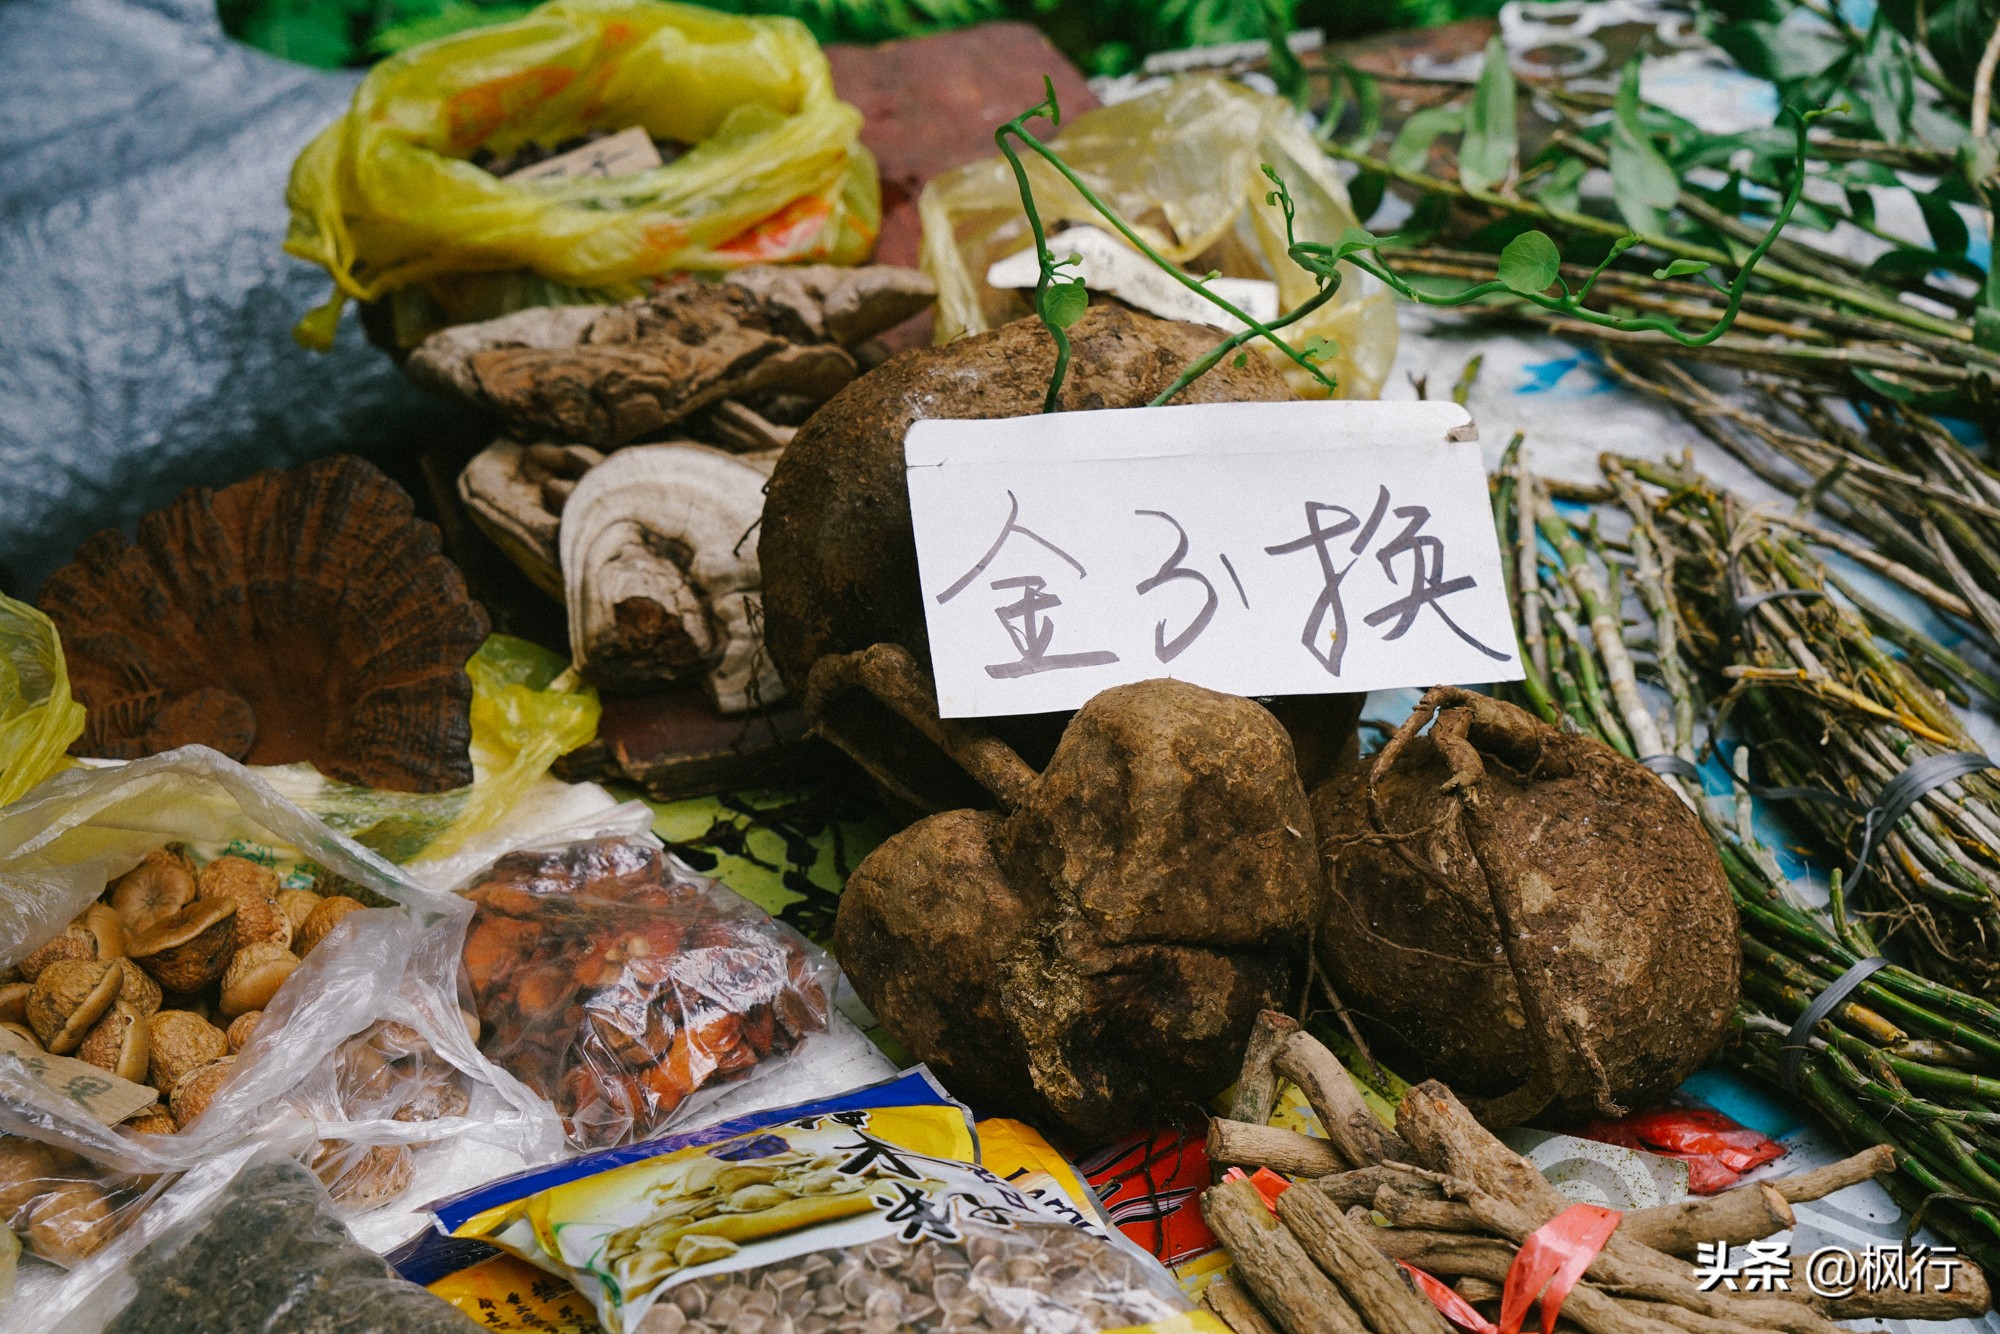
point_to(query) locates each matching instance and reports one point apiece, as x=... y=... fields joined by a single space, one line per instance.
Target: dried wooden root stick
x=1746 y=1213
x=1362 y=1137
x=1378 y=1290
x=1456 y=1255
x=1967 y=1296
x=1361 y=1185
x=1256 y=1094
x=1290 y=1288
x=1243 y=1144
x=1235 y=1307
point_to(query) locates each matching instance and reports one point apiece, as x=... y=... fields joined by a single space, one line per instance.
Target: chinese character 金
x=1031 y=631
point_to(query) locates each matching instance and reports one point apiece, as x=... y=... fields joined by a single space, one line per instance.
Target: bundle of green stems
x=1906 y=1059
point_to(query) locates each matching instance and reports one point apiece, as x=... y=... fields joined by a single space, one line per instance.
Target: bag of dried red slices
x=627 y=990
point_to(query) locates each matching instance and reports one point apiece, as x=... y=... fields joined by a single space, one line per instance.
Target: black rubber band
x=1799 y=1041
x=1671 y=766
x=1903 y=791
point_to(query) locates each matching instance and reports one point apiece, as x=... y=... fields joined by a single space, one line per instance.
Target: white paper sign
x=1254 y=548
x=1107 y=264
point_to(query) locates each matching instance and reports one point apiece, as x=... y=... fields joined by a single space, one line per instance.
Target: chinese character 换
x=1428 y=584
x=1171 y=570
x=1025 y=618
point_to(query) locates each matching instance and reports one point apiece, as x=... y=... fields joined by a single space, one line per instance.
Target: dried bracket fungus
x=1526 y=914
x=1095 y=955
x=302 y=615
x=839 y=560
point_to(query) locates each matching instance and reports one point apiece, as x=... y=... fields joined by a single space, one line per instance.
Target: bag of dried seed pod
x=174 y=991
x=627 y=990
x=863 y=1212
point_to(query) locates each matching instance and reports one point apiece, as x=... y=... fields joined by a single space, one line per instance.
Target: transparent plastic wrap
x=1183 y=166
x=770 y=166
x=38 y=719
x=265 y=1254
x=865 y=1211
x=619 y=986
x=149 y=915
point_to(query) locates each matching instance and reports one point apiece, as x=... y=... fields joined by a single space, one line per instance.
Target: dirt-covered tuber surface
x=1526 y=915
x=1094 y=958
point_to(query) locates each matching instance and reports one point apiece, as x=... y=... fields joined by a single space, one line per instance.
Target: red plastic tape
x=1452 y=1306
x=1268 y=1183
x=1551 y=1261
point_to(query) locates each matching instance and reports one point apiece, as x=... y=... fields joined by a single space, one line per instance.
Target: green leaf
x=1886 y=87
x=1529 y=263
x=1240 y=360
x=1412 y=149
x=1365 y=193
x=1064 y=303
x=1642 y=184
x=1426 y=220
x=1486 y=154
x=1318 y=348
x=1558 y=186
x=1681 y=268
x=1946 y=225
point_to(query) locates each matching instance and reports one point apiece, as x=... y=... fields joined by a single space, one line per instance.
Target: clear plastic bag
x=1182 y=165
x=774 y=171
x=38 y=719
x=260 y=1081
x=619 y=986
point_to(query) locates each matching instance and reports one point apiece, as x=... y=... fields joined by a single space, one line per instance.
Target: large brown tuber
x=839 y=560
x=1524 y=913
x=1094 y=956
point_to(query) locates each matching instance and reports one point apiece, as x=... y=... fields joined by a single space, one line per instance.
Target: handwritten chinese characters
x=1259 y=548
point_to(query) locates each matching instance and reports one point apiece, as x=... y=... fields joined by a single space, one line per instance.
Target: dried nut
x=14 y=1002
x=364 y=1074
x=241 y=1028
x=182 y=1042
x=157 y=887
x=201 y=1004
x=72 y=942
x=68 y=998
x=106 y=927
x=471 y=1024
x=254 y=976
x=297 y=905
x=233 y=877
x=189 y=950
x=260 y=921
x=138 y=990
x=193 y=1090
x=396 y=1041
x=26 y=1167
x=153 y=1121
x=25 y=1033
x=70 y=1223
x=359 y=1180
x=322 y=919
x=120 y=1042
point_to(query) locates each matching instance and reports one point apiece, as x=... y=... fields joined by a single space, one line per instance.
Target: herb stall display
x=1456 y=1203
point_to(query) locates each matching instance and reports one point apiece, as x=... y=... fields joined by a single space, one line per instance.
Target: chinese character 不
x=1024 y=618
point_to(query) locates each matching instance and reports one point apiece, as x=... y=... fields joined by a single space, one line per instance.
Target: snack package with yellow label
x=866 y=1211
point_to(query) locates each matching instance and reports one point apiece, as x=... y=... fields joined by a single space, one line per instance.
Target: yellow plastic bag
x=38 y=719
x=384 y=199
x=1182 y=166
x=526 y=711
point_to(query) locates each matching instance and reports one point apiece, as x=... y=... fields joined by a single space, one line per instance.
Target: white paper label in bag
x=1254 y=548
x=1107 y=264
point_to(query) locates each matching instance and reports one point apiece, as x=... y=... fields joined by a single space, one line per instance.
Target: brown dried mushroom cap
x=395 y=1040
x=119 y=1042
x=227 y=877
x=153 y=1121
x=68 y=998
x=241 y=1029
x=300 y=615
x=106 y=927
x=436 y=1092
x=193 y=1090
x=362 y=1180
x=365 y=1074
x=139 y=991
x=297 y=905
x=254 y=976
x=72 y=942
x=182 y=1042
x=260 y=921
x=159 y=886
x=27 y=1168
x=189 y=950
x=71 y=1223
x=323 y=918
x=14 y=1002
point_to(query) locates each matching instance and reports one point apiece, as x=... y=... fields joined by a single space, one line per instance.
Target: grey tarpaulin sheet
x=145 y=306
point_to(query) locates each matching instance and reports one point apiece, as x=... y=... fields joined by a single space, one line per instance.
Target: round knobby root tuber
x=241 y=1029
x=1524 y=913
x=153 y=1121
x=360 y=1178
x=254 y=976
x=27 y=1168
x=119 y=1042
x=138 y=991
x=1095 y=957
x=297 y=905
x=68 y=998
x=836 y=549
x=194 y=1090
